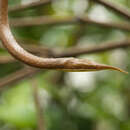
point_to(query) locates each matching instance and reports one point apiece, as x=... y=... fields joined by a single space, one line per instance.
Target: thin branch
x=29 y=5
x=6 y=59
x=76 y=51
x=38 y=106
x=18 y=75
x=78 y=33
x=117 y=8
x=36 y=21
x=35 y=49
x=41 y=20
x=115 y=25
x=122 y=11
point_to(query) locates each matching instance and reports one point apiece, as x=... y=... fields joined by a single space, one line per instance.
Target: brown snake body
x=13 y=47
x=68 y=64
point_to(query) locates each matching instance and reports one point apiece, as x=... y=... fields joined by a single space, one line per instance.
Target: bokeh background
x=65 y=100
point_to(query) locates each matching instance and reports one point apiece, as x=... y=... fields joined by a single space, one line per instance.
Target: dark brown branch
x=120 y=10
x=35 y=49
x=29 y=6
x=76 y=51
x=38 y=106
x=18 y=75
x=41 y=20
x=36 y=21
x=6 y=59
x=124 y=12
x=115 y=25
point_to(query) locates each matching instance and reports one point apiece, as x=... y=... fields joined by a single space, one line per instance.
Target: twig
x=41 y=20
x=75 y=51
x=78 y=33
x=18 y=75
x=35 y=49
x=38 y=106
x=29 y=6
x=6 y=59
x=115 y=25
x=124 y=12
x=120 y=10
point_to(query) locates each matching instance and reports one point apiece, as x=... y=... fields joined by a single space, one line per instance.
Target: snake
x=65 y=64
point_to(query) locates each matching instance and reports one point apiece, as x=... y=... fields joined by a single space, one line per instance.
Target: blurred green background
x=69 y=100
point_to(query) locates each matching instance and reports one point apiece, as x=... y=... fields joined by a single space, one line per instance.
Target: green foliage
x=17 y=106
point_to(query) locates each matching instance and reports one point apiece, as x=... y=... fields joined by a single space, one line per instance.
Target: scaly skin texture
x=66 y=64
